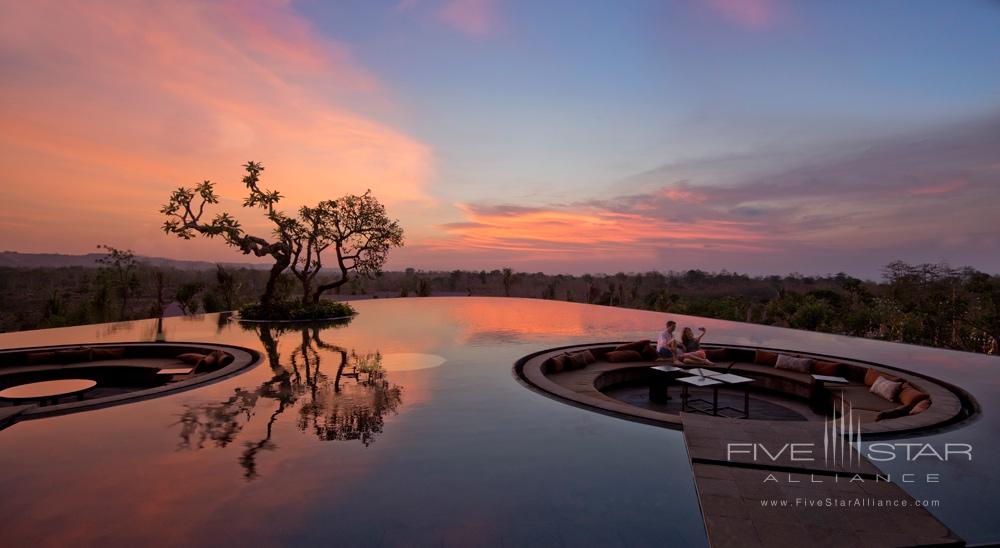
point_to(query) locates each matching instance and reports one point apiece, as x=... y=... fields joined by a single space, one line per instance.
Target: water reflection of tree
x=349 y=401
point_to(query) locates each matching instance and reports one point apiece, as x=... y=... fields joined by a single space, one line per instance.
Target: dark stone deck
x=825 y=503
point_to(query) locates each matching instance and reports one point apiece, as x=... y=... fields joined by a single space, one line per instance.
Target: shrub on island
x=296 y=311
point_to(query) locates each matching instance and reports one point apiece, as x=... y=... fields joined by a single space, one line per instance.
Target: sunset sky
x=760 y=136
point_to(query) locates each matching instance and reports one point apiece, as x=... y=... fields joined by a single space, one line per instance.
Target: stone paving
x=776 y=499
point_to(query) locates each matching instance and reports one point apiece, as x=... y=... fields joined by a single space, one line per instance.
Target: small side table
x=663 y=377
x=731 y=379
x=817 y=399
x=703 y=382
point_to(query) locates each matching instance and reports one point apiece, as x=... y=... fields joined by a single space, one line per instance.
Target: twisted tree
x=186 y=208
x=355 y=227
x=360 y=233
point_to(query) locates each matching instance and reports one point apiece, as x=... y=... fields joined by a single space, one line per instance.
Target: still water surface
x=405 y=427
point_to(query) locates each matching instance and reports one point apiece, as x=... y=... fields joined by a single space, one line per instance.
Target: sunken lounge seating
x=102 y=362
x=914 y=402
x=122 y=372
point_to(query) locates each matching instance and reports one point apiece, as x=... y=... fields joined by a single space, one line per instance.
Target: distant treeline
x=928 y=304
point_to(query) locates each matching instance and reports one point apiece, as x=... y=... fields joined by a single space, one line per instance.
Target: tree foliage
x=355 y=228
x=120 y=265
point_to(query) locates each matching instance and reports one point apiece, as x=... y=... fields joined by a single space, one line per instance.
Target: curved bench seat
x=131 y=375
x=584 y=387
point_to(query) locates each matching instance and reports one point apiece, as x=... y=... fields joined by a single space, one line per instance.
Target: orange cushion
x=557 y=364
x=911 y=396
x=223 y=358
x=920 y=407
x=618 y=356
x=873 y=374
x=578 y=360
x=831 y=369
x=763 y=357
x=213 y=361
x=191 y=357
x=649 y=352
x=637 y=346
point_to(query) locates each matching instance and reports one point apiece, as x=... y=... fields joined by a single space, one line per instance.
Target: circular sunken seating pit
x=585 y=385
x=123 y=372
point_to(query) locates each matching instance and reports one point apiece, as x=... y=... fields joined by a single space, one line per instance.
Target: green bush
x=296 y=311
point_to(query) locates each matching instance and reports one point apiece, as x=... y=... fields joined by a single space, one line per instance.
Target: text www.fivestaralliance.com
x=849 y=502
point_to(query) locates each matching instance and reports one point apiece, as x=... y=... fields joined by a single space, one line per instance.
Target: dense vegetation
x=297 y=311
x=929 y=304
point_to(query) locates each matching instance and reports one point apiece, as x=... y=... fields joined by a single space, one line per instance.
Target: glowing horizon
x=721 y=134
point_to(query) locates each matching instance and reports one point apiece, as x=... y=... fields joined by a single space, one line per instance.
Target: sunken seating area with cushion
x=900 y=401
x=122 y=372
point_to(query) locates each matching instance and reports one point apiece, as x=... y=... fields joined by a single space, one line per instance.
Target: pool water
x=405 y=426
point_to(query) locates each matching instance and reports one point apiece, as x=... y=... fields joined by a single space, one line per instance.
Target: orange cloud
x=477 y=18
x=131 y=100
x=554 y=233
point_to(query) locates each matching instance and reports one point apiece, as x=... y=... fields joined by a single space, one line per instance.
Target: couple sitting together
x=687 y=351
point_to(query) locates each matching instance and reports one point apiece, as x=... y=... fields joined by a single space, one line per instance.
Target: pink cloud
x=130 y=100
x=940 y=188
x=563 y=232
x=749 y=14
x=477 y=18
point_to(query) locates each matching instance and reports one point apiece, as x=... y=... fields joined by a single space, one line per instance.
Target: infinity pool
x=444 y=448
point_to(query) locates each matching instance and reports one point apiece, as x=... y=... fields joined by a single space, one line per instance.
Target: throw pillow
x=222 y=359
x=649 y=352
x=191 y=358
x=920 y=407
x=557 y=364
x=886 y=388
x=910 y=396
x=831 y=369
x=799 y=365
x=873 y=374
x=579 y=360
x=618 y=356
x=638 y=346
x=763 y=357
x=208 y=363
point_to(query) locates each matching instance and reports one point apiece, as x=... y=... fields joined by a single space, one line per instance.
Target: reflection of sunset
x=409 y=361
x=462 y=424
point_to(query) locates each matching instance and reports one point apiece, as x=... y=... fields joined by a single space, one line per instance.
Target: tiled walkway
x=769 y=499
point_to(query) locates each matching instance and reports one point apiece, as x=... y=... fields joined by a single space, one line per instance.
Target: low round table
x=48 y=391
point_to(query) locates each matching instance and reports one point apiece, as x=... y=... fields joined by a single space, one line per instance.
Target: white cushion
x=886 y=388
x=800 y=365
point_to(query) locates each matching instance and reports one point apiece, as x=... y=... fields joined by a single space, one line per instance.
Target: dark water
x=437 y=446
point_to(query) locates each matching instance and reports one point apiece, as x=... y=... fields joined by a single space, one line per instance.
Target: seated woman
x=692 y=346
